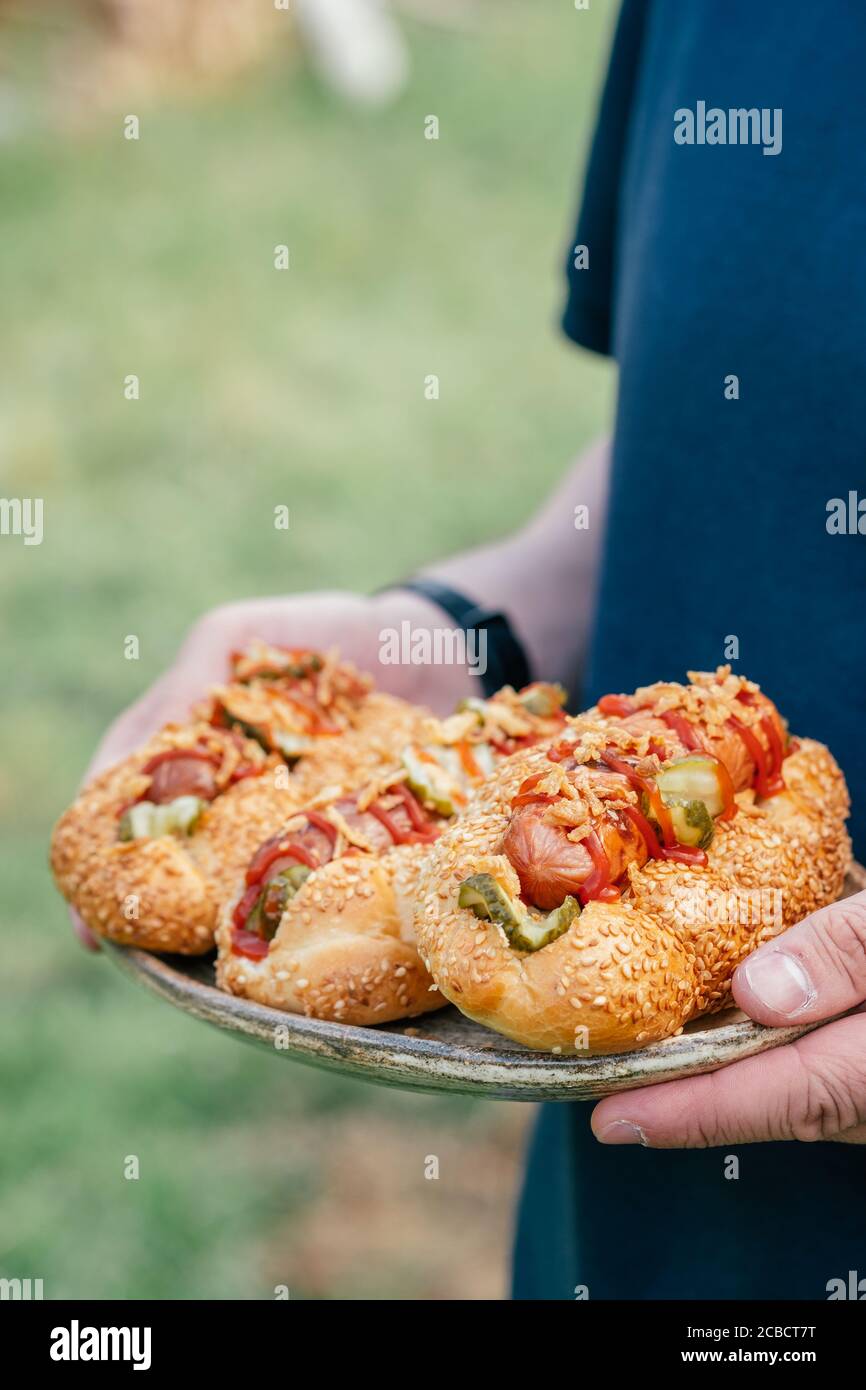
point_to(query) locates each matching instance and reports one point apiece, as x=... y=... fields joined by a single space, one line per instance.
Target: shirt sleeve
x=589 y=306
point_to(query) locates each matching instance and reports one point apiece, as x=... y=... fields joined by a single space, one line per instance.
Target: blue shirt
x=730 y=286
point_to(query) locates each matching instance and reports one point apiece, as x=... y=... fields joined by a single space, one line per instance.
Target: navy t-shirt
x=730 y=286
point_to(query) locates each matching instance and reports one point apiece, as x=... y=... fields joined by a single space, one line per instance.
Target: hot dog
x=576 y=907
x=322 y=920
x=151 y=848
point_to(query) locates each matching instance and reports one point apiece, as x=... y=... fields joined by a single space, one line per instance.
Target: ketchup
x=169 y=754
x=768 y=762
x=420 y=822
x=249 y=944
x=670 y=847
x=322 y=823
x=598 y=885
x=278 y=847
x=683 y=730
x=769 y=780
x=561 y=752
x=422 y=831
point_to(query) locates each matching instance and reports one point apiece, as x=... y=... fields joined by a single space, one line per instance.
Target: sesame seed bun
x=345 y=947
x=162 y=894
x=631 y=972
x=165 y=893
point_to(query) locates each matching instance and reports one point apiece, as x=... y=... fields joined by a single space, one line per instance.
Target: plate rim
x=399 y=1054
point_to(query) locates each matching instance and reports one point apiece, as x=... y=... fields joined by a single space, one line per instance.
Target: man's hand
x=348 y=621
x=814 y=1088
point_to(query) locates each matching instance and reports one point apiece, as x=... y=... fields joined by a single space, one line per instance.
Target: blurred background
x=259 y=125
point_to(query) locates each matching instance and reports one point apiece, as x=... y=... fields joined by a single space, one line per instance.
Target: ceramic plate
x=445 y=1051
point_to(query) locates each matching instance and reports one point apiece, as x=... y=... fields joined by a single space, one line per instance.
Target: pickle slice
x=144 y=820
x=489 y=900
x=477 y=706
x=692 y=822
x=292 y=746
x=692 y=779
x=543 y=698
x=535 y=932
x=431 y=782
x=526 y=932
x=271 y=903
x=136 y=823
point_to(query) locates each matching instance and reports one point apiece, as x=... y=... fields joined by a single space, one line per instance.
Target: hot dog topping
x=186 y=776
x=178 y=772
x=465 y=748
x=286 y=698
x=487 y=898
x=572 y=832
x=147 y=820
x=349 y=825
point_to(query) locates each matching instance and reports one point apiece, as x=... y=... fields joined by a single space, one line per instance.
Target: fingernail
x=623 y=1132
x=779 y=982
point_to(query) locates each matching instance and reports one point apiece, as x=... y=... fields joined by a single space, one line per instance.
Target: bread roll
x=634 y=969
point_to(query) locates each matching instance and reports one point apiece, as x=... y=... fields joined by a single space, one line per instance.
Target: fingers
x=816 y=970
x=201 y=661
x=812 y=1089
x=83 y=932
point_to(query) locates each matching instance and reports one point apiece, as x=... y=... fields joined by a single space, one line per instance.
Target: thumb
x=815 y=970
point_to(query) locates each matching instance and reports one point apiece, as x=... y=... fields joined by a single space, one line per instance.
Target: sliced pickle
x=431 y=782
x=271 y=903
x=543 y=698
x=136 y=823
x=692 y=779
x=692 y=822
x=297 y=876
x=535 y=932
x=489 y=900
x=477 y=706
x=251 y=731
x=525 y=931
x=292 y=746
x=144 y=820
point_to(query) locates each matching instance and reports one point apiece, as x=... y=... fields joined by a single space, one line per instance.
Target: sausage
x=635 y=965
x=313 y=843
x=182 y=776
x=550 y=866
x=728 y=747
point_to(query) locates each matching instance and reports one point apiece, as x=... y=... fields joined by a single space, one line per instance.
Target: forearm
x=544 y=576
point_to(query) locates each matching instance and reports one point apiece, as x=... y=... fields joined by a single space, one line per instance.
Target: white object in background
x=356 y=47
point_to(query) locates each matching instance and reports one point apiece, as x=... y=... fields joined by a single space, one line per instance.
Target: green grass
x=257 y=387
